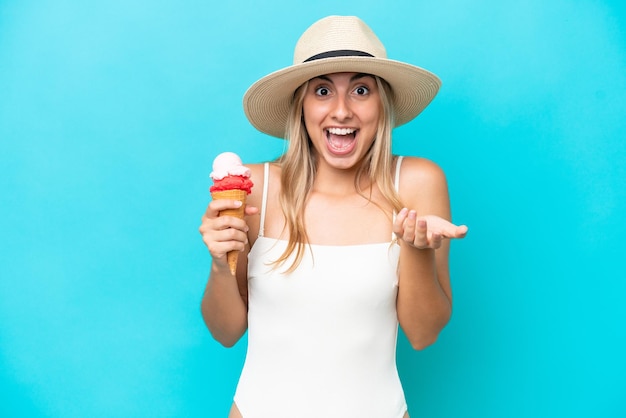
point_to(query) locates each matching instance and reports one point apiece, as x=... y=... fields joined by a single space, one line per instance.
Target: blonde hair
x=298 y=169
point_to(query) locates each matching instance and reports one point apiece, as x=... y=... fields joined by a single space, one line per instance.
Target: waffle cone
x=233 y=194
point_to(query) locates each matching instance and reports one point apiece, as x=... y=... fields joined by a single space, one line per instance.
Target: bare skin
x=336 y=214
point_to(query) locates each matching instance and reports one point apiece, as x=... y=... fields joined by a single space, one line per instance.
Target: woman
x=342 y=240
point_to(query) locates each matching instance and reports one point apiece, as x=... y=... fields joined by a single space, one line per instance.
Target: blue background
x=112 y=111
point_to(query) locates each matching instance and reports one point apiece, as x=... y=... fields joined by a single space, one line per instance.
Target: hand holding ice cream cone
x=231 y=180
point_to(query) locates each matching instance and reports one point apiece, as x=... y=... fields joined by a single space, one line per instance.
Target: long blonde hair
x=298 y=169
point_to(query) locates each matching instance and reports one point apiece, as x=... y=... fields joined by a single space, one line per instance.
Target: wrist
x=220 y=269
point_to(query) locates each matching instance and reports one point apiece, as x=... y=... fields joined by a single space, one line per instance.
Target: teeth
x=341 y=131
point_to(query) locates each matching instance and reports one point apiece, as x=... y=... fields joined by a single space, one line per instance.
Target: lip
x=344 y=147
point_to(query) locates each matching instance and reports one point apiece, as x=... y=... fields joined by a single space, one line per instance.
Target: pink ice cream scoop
x=229 y=173
x=228 y=164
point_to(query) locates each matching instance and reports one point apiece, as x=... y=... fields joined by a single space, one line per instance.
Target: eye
x=362 y=90
x=322 y=91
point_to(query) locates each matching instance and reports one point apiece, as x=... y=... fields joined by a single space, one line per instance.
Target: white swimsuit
x=322 y=340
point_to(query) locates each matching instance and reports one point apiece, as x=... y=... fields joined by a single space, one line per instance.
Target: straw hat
x=331 y=45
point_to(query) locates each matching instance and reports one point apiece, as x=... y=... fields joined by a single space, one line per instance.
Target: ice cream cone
x=233 y=194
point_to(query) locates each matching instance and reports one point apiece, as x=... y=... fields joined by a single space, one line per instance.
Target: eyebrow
x=353 y=78
x=360 y=75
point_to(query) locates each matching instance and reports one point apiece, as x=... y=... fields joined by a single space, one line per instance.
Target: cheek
x=369 y=111
x=375 y=113
x=311 y=111
x=313 y=118
x=307 y=116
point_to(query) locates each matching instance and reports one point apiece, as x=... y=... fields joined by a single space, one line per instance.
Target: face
x=341 y=114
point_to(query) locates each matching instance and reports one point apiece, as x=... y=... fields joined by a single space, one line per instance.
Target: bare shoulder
x=420 y=170
x=258 y=179
x=423 y=185
x=256 y=176
x=273 y=184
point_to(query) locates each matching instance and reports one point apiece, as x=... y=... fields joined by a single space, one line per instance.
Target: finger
x=251 y=210
x=219 y=249
x=452 y=231
x=421 y=234
x=462 y=231
x=210 y=228
x=398 y=225
x=219 y=242
x=409 y=227
x=230 y=222
x=436 y=240
x=216 y=206
x=238 y=238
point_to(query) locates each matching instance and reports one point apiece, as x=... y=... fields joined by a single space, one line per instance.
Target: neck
x=338 y=181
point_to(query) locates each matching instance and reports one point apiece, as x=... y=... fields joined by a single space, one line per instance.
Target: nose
x=342 y=110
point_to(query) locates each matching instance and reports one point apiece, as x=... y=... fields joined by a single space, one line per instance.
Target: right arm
x=224 y=303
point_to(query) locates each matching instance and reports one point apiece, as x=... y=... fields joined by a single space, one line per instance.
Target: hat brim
x=266 y=103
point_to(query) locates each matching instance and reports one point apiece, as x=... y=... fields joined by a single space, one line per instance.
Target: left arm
x=424 y=301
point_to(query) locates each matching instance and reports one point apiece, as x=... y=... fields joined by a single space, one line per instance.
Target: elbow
x=225 y=342
x=226 y=333
x=226 y=338
x=423 y=342
x=428 y=334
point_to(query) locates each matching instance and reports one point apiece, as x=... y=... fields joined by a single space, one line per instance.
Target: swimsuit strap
x=266 y=175
x=396 y=184
x=397 y=179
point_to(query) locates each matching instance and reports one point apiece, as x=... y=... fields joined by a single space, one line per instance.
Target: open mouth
x=341 y=140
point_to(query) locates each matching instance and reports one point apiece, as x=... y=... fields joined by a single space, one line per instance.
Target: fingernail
x=238 y=203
